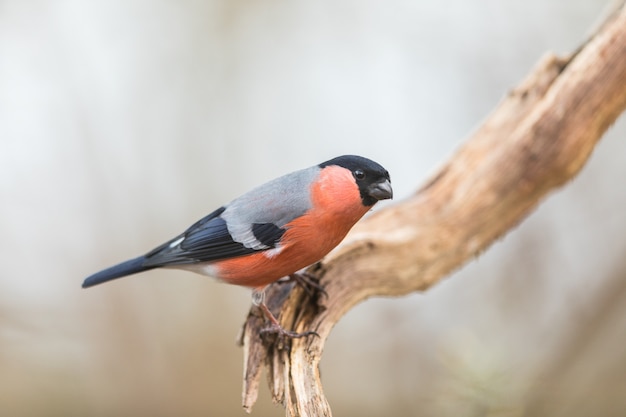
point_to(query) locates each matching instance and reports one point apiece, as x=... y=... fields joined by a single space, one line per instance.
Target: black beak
x=381 y=190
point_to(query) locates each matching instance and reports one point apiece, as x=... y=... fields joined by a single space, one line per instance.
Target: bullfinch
x=272 y=231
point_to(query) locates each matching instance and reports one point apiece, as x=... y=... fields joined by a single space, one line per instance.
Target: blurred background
x=122 y=122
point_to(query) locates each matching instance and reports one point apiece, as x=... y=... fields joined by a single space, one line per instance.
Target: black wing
x=209 y=240
x=267 y=233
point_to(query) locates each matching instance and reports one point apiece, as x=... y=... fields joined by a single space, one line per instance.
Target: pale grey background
x=122 y=122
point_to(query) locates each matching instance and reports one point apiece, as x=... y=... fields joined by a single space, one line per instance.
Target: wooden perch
x=537 y=139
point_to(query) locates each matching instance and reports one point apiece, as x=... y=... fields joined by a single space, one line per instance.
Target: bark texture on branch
x=537 y=139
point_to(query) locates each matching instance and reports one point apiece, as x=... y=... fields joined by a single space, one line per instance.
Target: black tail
x=132 y=266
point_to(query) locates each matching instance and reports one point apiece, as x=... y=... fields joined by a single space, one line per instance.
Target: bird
x=272 y=231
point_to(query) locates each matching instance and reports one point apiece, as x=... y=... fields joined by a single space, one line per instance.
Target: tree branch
x=537 y=139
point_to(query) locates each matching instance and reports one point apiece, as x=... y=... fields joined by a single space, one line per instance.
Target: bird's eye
x=358 y=174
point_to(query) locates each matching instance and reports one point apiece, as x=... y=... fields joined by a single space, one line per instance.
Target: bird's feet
x=276 y=329
x=258 y=298
x=308 y=282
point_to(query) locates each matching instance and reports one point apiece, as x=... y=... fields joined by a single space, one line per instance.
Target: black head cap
x=373 y=180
